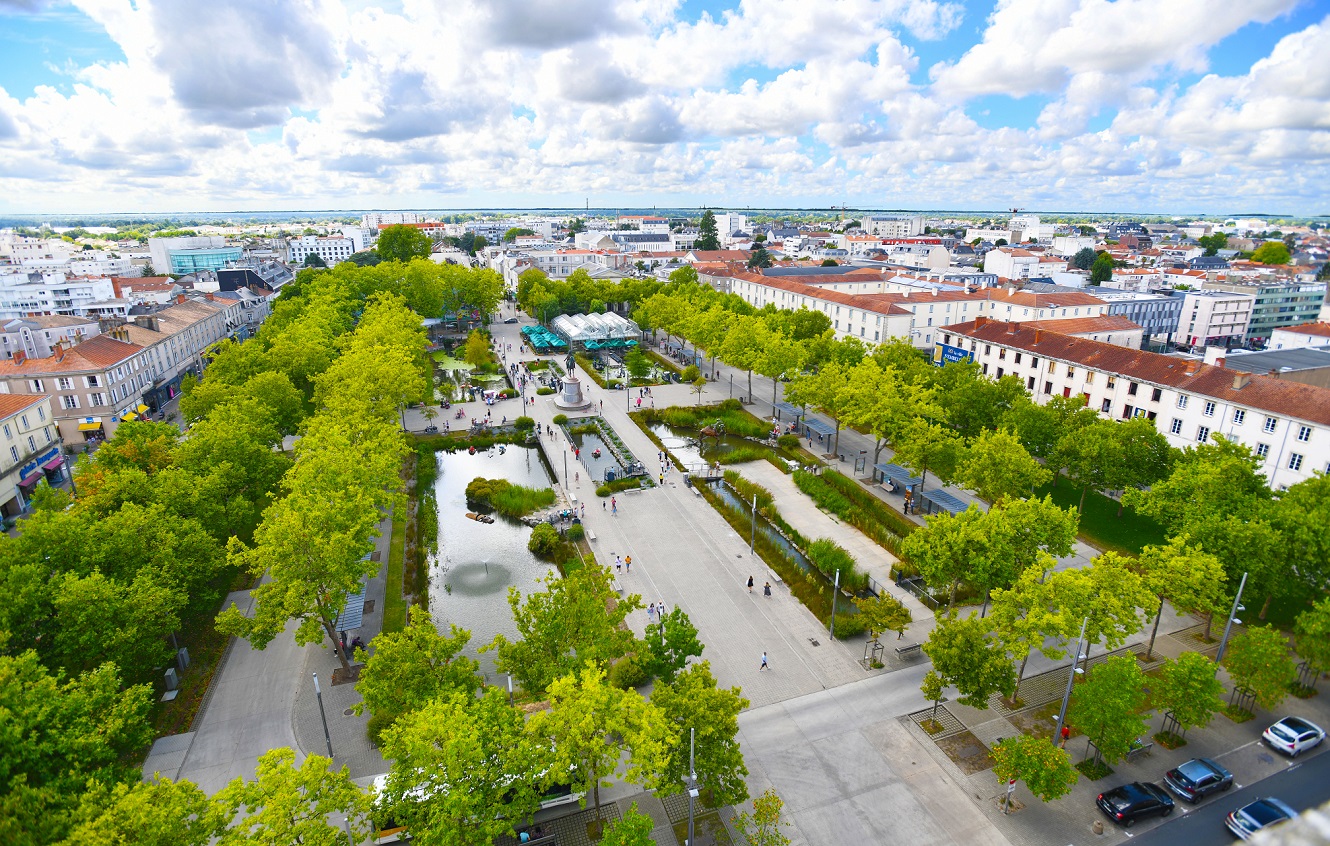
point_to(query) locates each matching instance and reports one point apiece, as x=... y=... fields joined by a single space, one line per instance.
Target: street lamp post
x=327 y=738
x=1071 y=678
x=691 y=782
x=835 y=589
x=1232 y=618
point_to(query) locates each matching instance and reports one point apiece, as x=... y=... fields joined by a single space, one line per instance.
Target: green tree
x=764 y=826
x=884 y=613
x=880 y=398
x=577 y=225
x=1184 y=575
x=1106 y=707
x=925 y=446
x=1090 y=455
x=511 y=235
x=693 y=701
x=1302 y=518
x=1213 y=243
x=782 y=356
x=314 y=260
x=761 y=258
x=1108 y=594
x=947 y=548
x=1041 y=427
x=1028 y=617
x=997 y=467
x=471 y=761
x=631 y=829
x=1102 y=269
x=707 y=237
x=1272 y=252
x=576 y=620
x=287 y=804
x=1187 y=690
x=970 y=659
x=99 y=619
x=825 y=263
x=670 y=644
x=414 y=666
x=63 y=739
x=744 y=346
x=1312 y=633
x=160 y=812
x=477 y=350
x=933 y=687
x=639 y=366
x=365 y=258
x=1045 y=769
x=591 y=725
x=402 y=243
x=1259 y=663
x=1084 y=259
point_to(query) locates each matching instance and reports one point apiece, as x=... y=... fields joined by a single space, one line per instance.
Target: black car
x=1130 y=802
x=1257 y=816
x=1197 y=779
x=511 y=320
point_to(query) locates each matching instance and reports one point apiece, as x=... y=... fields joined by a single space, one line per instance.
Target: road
x=1304 y=785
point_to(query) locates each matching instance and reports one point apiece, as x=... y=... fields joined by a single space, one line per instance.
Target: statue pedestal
x=572 y=398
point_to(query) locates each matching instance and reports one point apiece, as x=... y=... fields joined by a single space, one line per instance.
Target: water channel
x=683 y=444
x=478 y=562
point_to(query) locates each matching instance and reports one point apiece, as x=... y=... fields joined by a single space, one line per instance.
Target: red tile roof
x=97 y=353
x=721 y=255
x=1086 y=325
x=1308 y=329
x=1305 y=402
x=11 y=404
x=867 y=302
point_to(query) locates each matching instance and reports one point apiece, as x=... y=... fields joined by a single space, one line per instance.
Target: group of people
x=766 y=587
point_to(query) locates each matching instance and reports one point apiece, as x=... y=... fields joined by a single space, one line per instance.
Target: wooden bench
x=909 y=649
x=1139 y=750
x=587 y=533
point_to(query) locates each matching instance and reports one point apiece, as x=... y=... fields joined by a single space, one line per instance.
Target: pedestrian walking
x=618 y=563
x=662 y=479
x=766 y=590
x=750 y=584
x=660 y=610
x=1066 y=733
x=584 y=509
x=602 y=505
x=614 y=506
x=764 y=666
x=628 y=563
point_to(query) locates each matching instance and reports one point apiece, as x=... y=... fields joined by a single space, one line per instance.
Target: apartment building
x=1305 y=335
x=331 y=250
x=190 y=254
x=1016 y=263
x=1156 y=313
x=22 y=294
x=36 y=336
x=92 y=386
x=1214 y=318
x=1275 y=304
x=1286 y=424
x=893 y=226
x=173 y=340
x=29 y=450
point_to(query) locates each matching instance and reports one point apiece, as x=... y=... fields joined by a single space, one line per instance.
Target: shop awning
x=128 y=414
x=142 y=408
x=88 y=427
x=31 y=480
x=54 y=463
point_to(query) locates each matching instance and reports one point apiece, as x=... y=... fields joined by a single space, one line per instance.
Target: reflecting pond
x=478 y=562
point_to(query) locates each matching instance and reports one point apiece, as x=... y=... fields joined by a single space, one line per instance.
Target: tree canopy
x=403 y=243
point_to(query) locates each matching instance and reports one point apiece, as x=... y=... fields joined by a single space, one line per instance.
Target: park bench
x=1139 y=749
x=907 y=649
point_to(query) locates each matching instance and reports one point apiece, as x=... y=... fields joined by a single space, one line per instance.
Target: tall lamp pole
x=1232 y=618
x=1071 y=678
x=691 y=782
x=327 y=738
x=835 y=589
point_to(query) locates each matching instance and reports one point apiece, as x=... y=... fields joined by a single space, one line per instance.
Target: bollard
x=1098 y=827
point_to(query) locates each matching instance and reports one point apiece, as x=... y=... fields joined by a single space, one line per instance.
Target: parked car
x=1293 y=736
x=1259 y=815
x=510 y=320
x=1131 y=802
x=1197 y=779
x=431 y=429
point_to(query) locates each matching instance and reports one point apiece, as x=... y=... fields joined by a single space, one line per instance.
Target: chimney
x=980 y=321
x=1219 y=362
x=1190 y=368
x=180 y=299
x=19 y=357
x=1038 y=335
x=1241 y=380
x=935 y=290
x=1013 y=328
x=59 y=351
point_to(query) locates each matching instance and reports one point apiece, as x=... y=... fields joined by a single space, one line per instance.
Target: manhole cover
x=369 y=606
x=348 y=712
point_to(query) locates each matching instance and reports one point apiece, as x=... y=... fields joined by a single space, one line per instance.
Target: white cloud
x=778 y=101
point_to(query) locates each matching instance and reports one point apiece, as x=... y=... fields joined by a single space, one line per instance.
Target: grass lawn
x=394 y=604
x=1100 y=525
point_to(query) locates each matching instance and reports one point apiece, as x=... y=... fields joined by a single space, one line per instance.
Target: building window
x=1089 y=377
x=988 y=349
x=1262 y=450
x=1239 y=415
x=97 y=399
x=64 y=383
x=1182 y=400
x=1106 y=406
x=1131 y=389
x=1018 y=358
x=94 y=382
x=32 y=443
x=1071 y=371
x=1034 y=361
x=999 y=371
x=24 y=420
x=1176 y=428
x=1112 y=382
x=41 y=414
x=1048 y=387
x=1209 y=410
x=13 y=453
x=8 y=435
x=69 y=402
x=1029 y=384
x=985 y=368
x=1295 y=461
x=1304 y=433
x=1202 y=434
x=1156 y=395
x=1269 y=424
x=35 y=385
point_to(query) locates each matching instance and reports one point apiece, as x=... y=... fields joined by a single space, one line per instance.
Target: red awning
x=54 y=463
x=31 y=480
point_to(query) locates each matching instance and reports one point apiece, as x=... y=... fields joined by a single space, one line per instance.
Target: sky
x=1159 y=106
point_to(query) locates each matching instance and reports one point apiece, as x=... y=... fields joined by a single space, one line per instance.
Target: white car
x=1293 y=736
